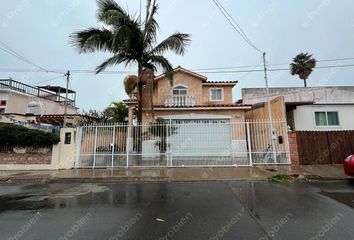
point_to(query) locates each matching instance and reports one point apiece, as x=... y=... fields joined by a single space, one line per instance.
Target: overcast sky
x=39 y=30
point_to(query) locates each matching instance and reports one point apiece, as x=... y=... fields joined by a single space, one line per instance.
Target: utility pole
x=66 y=98
x=271 y=126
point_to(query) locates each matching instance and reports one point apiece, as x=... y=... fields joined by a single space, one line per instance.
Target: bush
x=21 y=136
x=281 y=179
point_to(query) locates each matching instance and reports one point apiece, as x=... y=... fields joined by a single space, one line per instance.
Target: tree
x=161 y=130
x=130 y=40
x=303 y=65
x=117 y=112
x=14 y=135
x=130 y=83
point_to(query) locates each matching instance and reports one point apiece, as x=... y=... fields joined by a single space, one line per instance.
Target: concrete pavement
x=256 y=173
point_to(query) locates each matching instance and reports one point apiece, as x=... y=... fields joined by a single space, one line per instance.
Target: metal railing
x=180 y=101
x=181 y=144
x=34 y=91
x=26 y=149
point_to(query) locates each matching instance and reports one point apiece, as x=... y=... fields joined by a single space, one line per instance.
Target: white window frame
x=217 y=100
x=179 y=85
x=326 y=126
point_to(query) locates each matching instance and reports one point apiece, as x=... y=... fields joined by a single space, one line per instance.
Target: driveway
x=208 y=210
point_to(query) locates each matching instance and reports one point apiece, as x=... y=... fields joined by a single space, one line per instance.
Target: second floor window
x=326 y=119
x=216 y=94
x=179 y=90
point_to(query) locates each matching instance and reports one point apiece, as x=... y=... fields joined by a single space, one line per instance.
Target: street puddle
x=47 y=198
x=346 y=198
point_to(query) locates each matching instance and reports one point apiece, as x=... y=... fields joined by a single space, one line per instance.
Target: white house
x=313 y=108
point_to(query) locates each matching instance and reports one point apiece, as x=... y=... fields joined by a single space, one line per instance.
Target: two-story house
x=191 y=98
x=203 y=110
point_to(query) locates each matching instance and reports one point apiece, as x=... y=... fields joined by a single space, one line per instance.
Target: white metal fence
x=179 y=143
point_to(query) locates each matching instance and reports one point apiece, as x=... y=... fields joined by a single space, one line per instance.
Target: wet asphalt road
x=208 y=210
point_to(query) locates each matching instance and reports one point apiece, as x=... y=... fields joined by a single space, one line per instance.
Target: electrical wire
x=48 y=80
x=10 y=51
x=235 y=25
x=200 y=70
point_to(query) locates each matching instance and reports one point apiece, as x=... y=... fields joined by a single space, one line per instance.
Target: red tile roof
x=209 y=106
x=221 y=82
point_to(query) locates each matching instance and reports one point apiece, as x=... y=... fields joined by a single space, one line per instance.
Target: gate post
x=249 y=143
x=127 y=145
x=78 y=146
x=113 y=144
x=94 y=146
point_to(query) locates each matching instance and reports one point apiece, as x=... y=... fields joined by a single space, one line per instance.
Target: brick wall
x=17 y=158
x=294 y=152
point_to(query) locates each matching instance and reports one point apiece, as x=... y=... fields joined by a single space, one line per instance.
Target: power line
x=272 y=65
x=235 y=25
x=201 y=70
x=10 y=51
x=48 y=80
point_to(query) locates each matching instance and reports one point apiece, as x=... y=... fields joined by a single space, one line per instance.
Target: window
x=3 y=103
x=216 y=94
x=180 y=90
x=67 y=138
x=327 y=119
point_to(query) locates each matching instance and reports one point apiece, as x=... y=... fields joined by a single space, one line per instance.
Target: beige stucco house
x=22 y=103
x=190 y=98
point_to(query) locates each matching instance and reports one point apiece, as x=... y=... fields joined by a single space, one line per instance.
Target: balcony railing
x=34 y=91
x=179 y=101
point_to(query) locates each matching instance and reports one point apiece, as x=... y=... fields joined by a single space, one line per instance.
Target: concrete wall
x=261 y=112
x=304 y=117
x=343 y=94
x=294 y=151
x=17 y=103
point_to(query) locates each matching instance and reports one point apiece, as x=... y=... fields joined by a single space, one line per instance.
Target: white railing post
x=94 y=146
x=128 y=145
x=113 y=144
x=169 y=162
x=249 y=143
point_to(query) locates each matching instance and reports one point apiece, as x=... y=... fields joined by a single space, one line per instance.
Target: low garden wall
x=26 y=158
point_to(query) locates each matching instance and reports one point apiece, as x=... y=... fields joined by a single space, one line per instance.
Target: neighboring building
x=21 y=103
x=312 y=108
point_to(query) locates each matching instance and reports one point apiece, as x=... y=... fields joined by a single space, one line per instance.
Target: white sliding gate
x=182 y=143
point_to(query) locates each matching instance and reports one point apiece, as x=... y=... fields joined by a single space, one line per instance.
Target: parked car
x=349 y=165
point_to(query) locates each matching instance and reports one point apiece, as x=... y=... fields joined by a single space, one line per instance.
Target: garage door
x=209 y=137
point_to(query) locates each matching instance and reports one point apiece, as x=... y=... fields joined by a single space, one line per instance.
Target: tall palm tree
x=303 y=65
x=130 y=40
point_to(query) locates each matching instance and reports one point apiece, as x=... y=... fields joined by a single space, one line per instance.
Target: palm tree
x=130 y=40
x=303 y=65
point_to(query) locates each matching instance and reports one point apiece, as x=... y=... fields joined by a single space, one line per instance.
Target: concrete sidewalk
x=257 y=173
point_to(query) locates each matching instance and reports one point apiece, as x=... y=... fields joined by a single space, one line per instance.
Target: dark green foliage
x=303 y=65
x=117 y=112
x=162 y=129
x=281 y=179
x=130 y=39
x=20 y=136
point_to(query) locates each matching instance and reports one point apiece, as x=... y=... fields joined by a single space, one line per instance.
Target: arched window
x=179 y=90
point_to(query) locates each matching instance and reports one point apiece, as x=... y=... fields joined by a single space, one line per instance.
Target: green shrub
x=281 y=179
x=21 y=136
